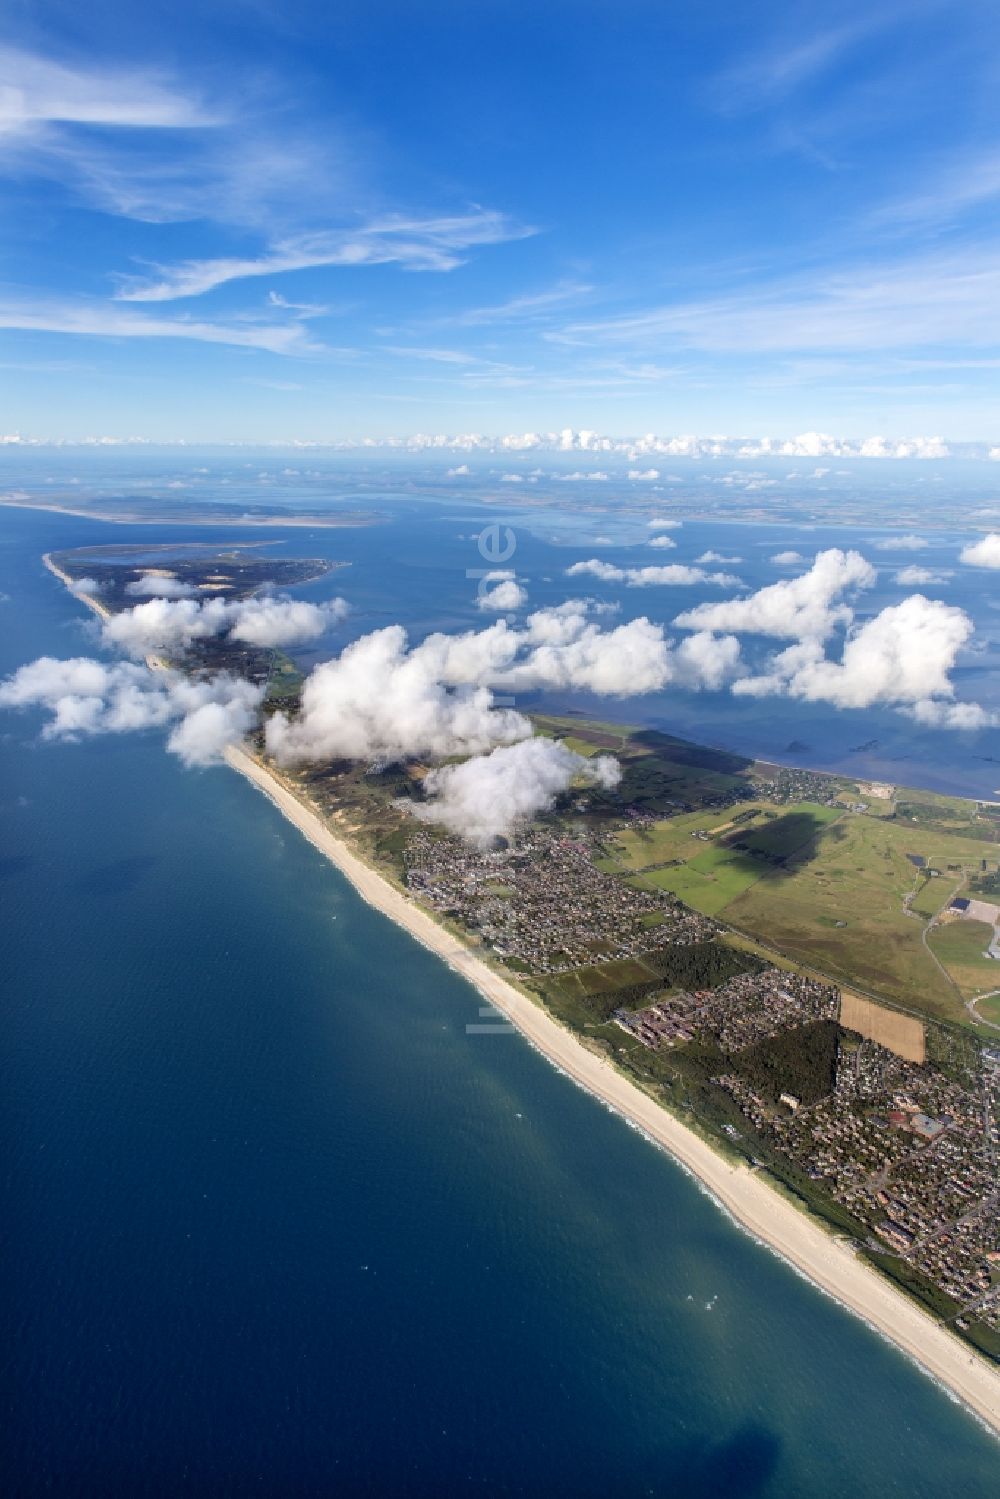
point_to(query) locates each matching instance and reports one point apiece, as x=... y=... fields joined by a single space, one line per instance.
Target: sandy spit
x=99 y=609
x=307 y=522
x=756 y=1206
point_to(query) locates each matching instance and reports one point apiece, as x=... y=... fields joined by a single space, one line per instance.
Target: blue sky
x=257 y=221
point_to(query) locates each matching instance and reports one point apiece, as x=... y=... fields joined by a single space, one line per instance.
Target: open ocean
x=277 y=1223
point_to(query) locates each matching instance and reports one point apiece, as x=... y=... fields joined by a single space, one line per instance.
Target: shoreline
x=67 y=581
x=319 y=523
x=756 y=1207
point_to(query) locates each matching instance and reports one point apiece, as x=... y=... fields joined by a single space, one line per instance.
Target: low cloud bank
x=165 y=624
x=687 y=445
x=673 y=574
x=915 y=575
x=383 y=699
x=85 y=697
x=155 y=586
x=902 y=544
x=491 y=795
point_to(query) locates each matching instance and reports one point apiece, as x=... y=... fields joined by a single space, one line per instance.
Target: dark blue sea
x=275 y=1222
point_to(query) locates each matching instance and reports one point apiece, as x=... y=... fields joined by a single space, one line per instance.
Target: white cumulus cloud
x=806 y=607
x=676 y=574
x=380 y=700
x=86 y=697
x=507 y=594
x=909 y=543
x=985 y=553
x=491 y=795
x=167 y=624
x=902 y=657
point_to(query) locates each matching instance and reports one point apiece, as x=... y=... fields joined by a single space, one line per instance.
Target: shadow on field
x=778 y=847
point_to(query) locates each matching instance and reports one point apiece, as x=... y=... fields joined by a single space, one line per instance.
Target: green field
x=637 y=848
x=588 y=997
x=746 y=843
x=285 y=681
x=605 y=978
x=932 y=894
x=704 y=888
x=856 y=874
x=826 y=888
x=960 y=946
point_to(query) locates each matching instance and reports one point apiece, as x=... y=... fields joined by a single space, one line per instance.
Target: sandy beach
x=797 y=1238
x=85 y=598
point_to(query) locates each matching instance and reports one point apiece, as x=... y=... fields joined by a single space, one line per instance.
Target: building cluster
x=755 y=1006
x=668 y=1022
x=787 y=784
x=912 y=1153
x=750 y=1007
x=542 y=902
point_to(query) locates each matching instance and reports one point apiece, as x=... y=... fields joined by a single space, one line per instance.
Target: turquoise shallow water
x=276 y=1223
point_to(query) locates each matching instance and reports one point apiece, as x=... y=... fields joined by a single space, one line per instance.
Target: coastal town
x=908 y=1150
x=749 y=1008
x=911 y=1153
x=540 y=902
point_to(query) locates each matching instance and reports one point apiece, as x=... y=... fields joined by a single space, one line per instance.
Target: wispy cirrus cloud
x=415 y=244
x=914 y=302
x=530 y=307
x=946 y=192
x=772 y=74
x=37 y=92
x=106 y=320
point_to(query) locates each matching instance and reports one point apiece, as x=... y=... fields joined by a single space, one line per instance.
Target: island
x=788 y=979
